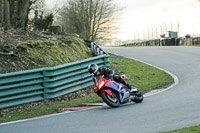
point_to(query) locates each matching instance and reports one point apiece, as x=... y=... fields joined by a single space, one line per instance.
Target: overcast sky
x=139 y=15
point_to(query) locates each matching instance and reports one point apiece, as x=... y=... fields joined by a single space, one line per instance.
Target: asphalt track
x=174 y=108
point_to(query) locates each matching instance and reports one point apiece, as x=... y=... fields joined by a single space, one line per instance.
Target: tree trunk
x=14 y=13
x=14 y=4
x=1 y=13
x=7 y=14
x=24 y=6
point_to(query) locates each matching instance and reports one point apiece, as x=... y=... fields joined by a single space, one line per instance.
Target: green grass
x=49 y=108
x=53 y=53
x=141 y=75
x=195 y=129
x=34 y=54
x=196 y=45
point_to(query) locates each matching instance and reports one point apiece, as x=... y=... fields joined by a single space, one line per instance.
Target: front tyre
x=138 y=97
x=112 y=101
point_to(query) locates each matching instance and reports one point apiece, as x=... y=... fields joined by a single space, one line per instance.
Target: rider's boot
x=132 y=88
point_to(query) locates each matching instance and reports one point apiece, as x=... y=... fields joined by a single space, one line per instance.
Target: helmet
x=92 y=68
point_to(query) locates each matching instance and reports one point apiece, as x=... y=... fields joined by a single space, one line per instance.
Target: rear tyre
x=112 y=101
x=138 y=97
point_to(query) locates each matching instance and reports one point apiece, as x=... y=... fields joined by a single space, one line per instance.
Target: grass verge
x=49 y=108
x=141 y=75
x=196 y=45
x=194 y=129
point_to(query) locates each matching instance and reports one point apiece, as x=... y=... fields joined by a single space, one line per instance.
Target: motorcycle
x=114 y=94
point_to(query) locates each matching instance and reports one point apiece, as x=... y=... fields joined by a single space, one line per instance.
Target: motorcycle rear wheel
x=112 y=101
x=138 y=97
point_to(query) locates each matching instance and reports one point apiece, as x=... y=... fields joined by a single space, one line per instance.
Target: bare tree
x=91 y=19
x=14 y=13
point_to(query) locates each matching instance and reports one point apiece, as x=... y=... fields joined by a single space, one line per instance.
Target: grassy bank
x=141 y=75
x=195 y=129
x=31 y=54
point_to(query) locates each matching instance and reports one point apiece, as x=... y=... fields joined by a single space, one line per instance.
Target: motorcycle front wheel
x=112 y=101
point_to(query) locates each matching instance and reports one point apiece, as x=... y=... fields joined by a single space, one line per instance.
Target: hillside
x=24 y=52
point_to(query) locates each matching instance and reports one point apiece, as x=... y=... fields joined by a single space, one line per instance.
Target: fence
x=96 y=49
x=47 y=83
x=167 y=42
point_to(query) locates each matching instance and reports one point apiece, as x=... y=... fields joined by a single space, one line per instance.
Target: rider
x=108 y=73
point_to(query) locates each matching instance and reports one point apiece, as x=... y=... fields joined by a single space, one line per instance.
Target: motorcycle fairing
x=108 y=91
x=116 y=87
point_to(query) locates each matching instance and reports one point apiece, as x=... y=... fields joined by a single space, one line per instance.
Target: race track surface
x=175 y=108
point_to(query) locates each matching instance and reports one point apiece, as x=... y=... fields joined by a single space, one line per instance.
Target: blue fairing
x=117 y=87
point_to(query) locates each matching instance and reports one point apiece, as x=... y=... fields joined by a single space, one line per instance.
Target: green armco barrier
x=46 y=83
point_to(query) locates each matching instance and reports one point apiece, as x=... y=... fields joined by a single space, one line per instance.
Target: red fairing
x=101 y=83
x=107 y=91
x=107 y=82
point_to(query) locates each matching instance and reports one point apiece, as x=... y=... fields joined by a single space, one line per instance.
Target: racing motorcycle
x=114 y=94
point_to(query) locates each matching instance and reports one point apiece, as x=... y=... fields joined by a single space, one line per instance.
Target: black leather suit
x=108 y=73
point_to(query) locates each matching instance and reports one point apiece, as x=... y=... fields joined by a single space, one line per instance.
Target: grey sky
x=142 y=14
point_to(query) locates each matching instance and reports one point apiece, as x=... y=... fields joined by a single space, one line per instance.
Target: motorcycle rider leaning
x=108 y=73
